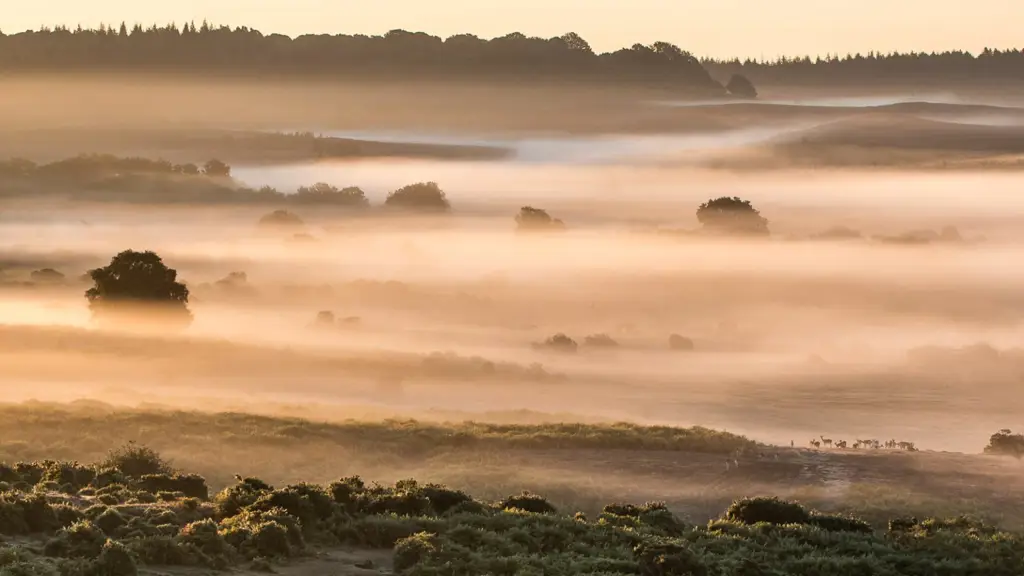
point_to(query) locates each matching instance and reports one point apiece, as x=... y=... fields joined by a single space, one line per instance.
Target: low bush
x=527 y=502
x=191 y=485
x=770 y=510
x=600 y=341
x=135 y=461
x=558 y=343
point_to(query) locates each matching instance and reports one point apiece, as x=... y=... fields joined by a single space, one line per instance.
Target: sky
x=717 y=28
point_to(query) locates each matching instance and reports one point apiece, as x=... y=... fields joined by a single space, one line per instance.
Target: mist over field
x=603 y=288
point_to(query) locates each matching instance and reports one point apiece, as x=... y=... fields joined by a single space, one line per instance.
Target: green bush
x=664 y=558
x=191 y=485
x=136 y=461
x=837 y=523
x=115 y=559
x=110 y=521
x=25 y=514
x=415 y=549
x=204 y=536
x=528 y=502
x=770 y=510
x=234 y=499
x=80 y=540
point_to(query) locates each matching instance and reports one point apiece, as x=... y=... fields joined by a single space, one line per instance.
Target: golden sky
x=721 y=28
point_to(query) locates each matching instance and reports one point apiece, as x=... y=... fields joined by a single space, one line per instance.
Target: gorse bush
x=136 y=461
x=437 y=530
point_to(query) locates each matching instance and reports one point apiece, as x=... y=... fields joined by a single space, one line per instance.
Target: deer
x=826 y=441
x=815 y=443
x=841 y=444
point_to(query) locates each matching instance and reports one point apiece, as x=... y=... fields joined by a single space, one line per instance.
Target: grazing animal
x=840 y=443
x=826 y=441
x=816 y=444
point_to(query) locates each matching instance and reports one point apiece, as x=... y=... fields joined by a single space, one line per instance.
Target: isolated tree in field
x=138 y=282
x=734 y=216
x=324 y=193
x=281 y=219
x=532 y=219
x=217 y=168
x=424 y=196
x=1006 y=443
x=741 y=87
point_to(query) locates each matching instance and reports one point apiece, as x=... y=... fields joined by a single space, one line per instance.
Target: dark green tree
x=137 y=283
x=424 y=196
x=532 y=219
x=741 y=87
x=217 y=169
x=732 y=216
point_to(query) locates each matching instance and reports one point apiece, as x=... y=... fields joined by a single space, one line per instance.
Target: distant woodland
x=225 y=50
x=874 y=69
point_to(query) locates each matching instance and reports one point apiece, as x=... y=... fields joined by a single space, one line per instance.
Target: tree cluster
x=215 y=49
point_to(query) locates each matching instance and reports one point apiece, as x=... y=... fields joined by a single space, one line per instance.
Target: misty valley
x=441 y=319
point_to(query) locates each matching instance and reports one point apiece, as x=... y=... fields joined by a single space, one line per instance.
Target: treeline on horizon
x=241 y=50
x=220 y=49
x=877 y=68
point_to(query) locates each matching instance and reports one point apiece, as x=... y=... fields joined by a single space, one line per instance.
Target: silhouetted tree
x=138 y=282
x=678 y=342
x=281 y=219
x=1006 y=443
x=741 y=87
x=425 y=196
x=46 y=275
x=532 y=219
x=323 y=193
x=727 y=215
x=217 y=169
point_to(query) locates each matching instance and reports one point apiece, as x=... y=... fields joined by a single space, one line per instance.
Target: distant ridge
x=401 y=54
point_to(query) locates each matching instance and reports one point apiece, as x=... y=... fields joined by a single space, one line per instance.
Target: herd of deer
x=888 y=444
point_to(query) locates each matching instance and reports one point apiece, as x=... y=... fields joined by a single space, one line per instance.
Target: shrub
x=110 y=521
x=80 y=540
x=532 y=219
x=136 y=283
x=233 y=499
x=191 y=485
x=600 y=341
x=136 y=461
x=559 y=343
x=424 y=196
x=204 y=535
x=163 y=550
x=72 y=473
x=1006 y=443
x=115 y=560
x=25 y=514
x=307 y=502
x=837 y=523
x=346 y=491
x=732 y=216
x=677 y=342
x=528 y=503
x=443 y=499
x=412 y=550
x=665 y=558
x=770 y=510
